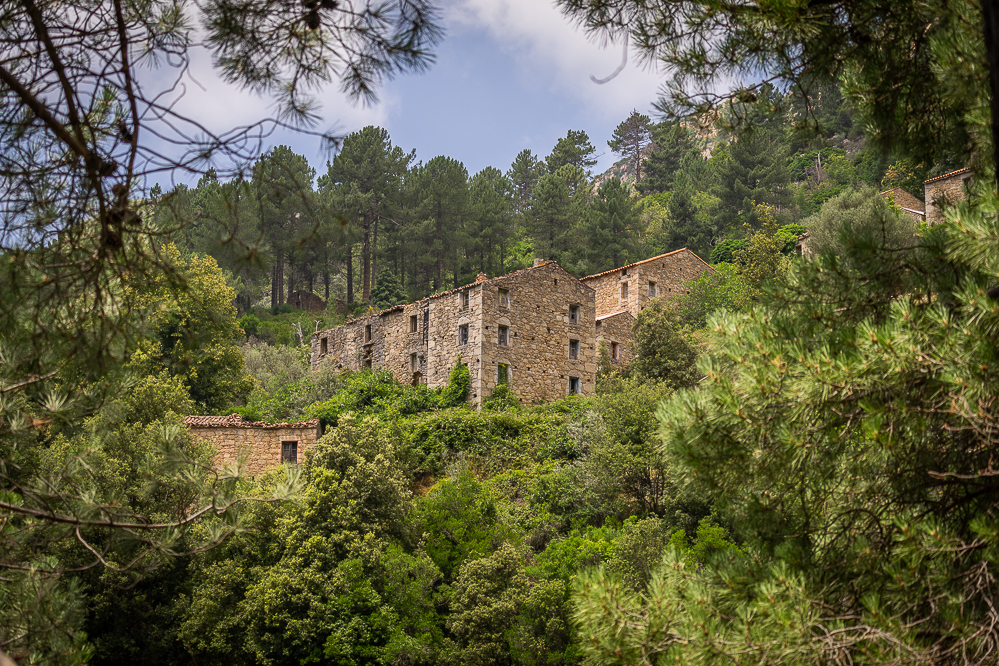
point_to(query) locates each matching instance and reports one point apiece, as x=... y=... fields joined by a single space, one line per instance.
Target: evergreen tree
x=574 y=149
x=612 y=222
x=363 y=184
x=556 y=207
x=523 y=176
x=441 y=204
x=672 y=145
x=490 y=206
x=630 y=138
x=387 y=291
x=755 y=172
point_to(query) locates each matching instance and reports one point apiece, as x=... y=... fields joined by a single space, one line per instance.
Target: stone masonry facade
x=614 y=330
x=630 y=287
x=264 y=445
x=534 y=330
x=946 y=189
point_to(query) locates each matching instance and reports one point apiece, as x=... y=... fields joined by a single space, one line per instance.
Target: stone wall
x=908 y=203
x=666 y=271
x=260 y=443
x=946 y=189
x=616 y=329
x=536 y=316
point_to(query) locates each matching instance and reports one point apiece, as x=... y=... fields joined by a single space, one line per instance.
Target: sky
x=509 y=75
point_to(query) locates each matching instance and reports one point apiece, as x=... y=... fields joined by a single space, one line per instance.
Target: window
x=624 y=273
x=367 y=363
x=504 y=298
x=615 y=351
x=463 y=334
x=367 y=333
x=323 y=347
x=289 y=452
x=413 y=323
x=502 y=373
x=573 y=349
x=414 y=362
x=573 y=314
x=573 y=385
x=624 y=290
x=504 y=336
x=464 y=299
x=652 y=290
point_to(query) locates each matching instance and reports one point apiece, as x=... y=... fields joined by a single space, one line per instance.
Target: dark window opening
x=502 y=374
x=573 y=349
x=504 y=336
x=573 y=385
x=413 y=323
x=367 y=333
x=573 y=314
x=323 y=347
x=652 y=289
x=463 y=334
x=504 y=298
x=289 y=452
x=615 y=351
x=464 y=299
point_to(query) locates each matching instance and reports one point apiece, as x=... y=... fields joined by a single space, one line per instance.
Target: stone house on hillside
x=536 y=330
x=629 y=288
x=908 y=203
x=946 y=189
x=531 y=329
x=264 y=445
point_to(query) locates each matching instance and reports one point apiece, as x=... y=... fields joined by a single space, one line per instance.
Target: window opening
x=573 y=349
x=652 y=289
x=573 y=385
x=504 y=336
x=323 y=347
x=464 y=299
x=573 y=314
x=414 y=362
x=413 y=323
x=504 y=298
x=463 y=334
x=624 y=290
x=289 y=452
x=367 y=333
x=502 y=373
x=615 y=351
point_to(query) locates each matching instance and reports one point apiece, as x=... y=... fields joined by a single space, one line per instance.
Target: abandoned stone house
x=537 y=330
x=937 y=193
x=264 y=446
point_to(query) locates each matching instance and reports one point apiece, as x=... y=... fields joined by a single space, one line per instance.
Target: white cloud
x=557 y=54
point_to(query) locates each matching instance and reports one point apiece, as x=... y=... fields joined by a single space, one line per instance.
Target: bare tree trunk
x=350 y=274
x=280 y=279
x=366 y=263
x=374 y=255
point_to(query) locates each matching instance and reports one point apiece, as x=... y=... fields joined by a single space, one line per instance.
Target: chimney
x=538 y=262
x=481 y=277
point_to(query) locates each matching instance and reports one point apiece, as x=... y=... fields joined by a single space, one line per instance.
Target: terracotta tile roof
x=645 y=261
x=946 y=175
x=236 y=421
x=614 y=314
x=454 y=291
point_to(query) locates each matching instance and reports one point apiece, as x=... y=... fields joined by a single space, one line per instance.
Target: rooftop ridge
x=236 y=421
x=645 y=261
x=946 y=175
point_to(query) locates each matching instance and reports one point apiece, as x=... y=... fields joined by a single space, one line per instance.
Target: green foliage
x=712 y=291
x=724 y=251
x=663 y=348
x=458 y=386
x=858 y=218
x=501 y=399
x=575 y=150
x=194 y=330
x=762 y=260
x=630 y=139
x=610 y=227
x=387 y=291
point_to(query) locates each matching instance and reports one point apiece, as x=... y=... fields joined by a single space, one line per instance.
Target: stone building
x=909 y=204
x=630 y=287
x=536 y=330
x=265 y=445
x=532 y=329
x=946 y=189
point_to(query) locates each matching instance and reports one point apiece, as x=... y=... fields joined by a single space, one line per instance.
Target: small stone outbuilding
x=265 y=445
x=945 y=190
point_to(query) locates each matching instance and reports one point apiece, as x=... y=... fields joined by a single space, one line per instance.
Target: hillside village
x=730 y=402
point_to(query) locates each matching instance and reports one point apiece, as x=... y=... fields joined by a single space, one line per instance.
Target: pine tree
x=612 y=221
x=523 y=176
x=630 y=138
x=672 y=146
x=574 y=149
x=755 y=172
x=387 y=291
